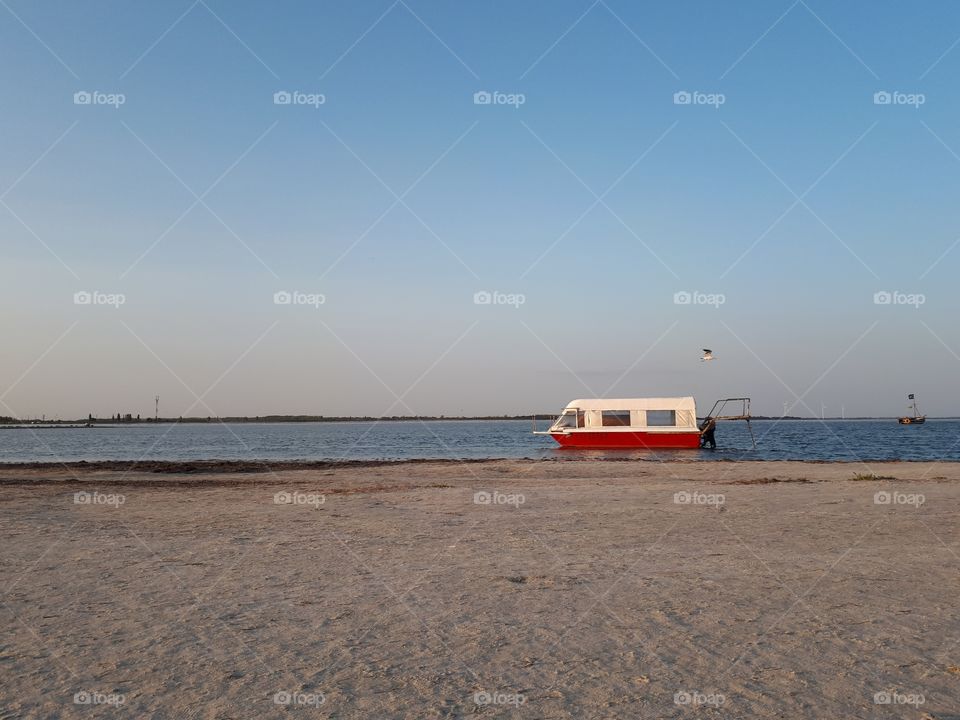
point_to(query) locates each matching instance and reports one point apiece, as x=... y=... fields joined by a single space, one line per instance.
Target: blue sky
x=783 y=189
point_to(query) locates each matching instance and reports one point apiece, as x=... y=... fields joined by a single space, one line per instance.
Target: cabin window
x=616 y=418
x=569 y=419
x=661 y=418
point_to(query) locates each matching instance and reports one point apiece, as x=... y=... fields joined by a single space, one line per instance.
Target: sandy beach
x=491 y=589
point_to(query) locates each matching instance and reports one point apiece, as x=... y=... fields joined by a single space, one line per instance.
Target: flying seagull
x=707 y=355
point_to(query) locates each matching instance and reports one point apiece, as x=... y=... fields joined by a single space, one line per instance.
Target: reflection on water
x=776 y=440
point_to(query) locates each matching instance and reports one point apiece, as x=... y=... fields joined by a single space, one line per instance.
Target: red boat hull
x=635 y=440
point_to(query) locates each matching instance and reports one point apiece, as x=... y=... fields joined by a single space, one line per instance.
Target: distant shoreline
x=14 y=424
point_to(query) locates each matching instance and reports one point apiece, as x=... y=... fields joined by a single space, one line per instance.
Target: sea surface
x=848 y=440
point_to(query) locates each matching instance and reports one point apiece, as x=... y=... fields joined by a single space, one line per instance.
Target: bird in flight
x=707 y=355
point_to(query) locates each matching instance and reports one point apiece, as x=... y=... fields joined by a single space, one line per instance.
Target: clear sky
x=584 y=196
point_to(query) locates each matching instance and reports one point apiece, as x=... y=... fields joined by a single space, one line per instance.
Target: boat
x=640 y=423
x=916 y=418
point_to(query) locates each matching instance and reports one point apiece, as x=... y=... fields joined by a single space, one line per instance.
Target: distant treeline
x=130 y=420
x=127 y=420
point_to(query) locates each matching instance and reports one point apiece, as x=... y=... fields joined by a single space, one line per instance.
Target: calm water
x=787 y=440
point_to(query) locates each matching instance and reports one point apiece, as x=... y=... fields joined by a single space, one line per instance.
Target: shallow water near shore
x=812 y=440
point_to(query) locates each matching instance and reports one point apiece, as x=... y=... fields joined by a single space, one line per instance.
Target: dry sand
x=599 y=596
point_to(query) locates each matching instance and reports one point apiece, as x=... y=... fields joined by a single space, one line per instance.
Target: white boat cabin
x=644 y=414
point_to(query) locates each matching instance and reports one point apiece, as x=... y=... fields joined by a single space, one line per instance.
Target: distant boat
x=916 y=418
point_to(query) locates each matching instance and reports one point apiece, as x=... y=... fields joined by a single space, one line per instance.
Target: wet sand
x=537 y=589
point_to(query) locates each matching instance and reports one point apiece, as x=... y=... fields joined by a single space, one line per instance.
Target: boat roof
x=672 y=403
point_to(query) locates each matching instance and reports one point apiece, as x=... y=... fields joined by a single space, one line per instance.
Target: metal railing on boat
x=716 y=413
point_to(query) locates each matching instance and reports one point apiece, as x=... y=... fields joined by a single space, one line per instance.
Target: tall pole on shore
x=156 y=408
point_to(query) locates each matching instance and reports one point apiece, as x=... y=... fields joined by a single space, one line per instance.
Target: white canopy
x=594 y=410
x=674 y=403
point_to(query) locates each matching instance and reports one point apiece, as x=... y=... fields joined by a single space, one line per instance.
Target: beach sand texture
x=600 y=593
